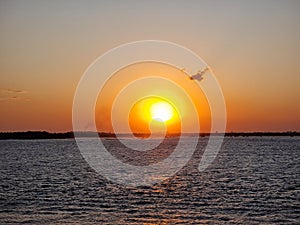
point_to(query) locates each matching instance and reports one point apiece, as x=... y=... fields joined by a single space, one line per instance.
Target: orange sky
x=153 y=85
x=252 y=46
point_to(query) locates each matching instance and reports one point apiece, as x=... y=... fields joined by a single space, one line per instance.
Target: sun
x=161 y=111
x=154 y=114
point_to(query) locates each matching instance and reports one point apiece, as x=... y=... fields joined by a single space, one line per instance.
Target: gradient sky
x=252 y=46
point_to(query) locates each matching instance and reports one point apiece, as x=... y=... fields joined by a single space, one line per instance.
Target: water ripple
x=254 y=180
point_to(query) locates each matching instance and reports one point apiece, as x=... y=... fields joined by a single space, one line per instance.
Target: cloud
x=9 y=94
x=11 y=91
x=199 y=75
x=3 y=99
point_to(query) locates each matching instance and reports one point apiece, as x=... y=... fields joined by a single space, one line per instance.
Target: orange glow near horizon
x=155 y=115
x=150 y=98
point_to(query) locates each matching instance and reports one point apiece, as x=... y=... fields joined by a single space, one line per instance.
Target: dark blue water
x=254 y=180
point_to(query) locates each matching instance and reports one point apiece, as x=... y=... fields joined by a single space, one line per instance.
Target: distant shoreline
x=70 y=135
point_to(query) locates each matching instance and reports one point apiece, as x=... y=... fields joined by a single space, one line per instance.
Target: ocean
x=253 y=180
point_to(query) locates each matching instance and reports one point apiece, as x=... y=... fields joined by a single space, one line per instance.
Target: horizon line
x=87 y=134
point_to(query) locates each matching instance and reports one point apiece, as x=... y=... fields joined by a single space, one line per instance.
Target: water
x=254 y=180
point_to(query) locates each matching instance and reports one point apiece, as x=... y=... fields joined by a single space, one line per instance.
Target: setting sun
x=161 y=111
x=154 y=114
x=157 y=97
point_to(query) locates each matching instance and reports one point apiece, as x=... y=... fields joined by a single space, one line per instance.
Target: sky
x=252 y=46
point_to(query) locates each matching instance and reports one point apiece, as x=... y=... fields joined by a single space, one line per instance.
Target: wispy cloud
x=9 y=94
x=11 y=91
x=4 y=99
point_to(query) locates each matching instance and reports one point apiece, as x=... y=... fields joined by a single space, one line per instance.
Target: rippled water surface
x=254 y=180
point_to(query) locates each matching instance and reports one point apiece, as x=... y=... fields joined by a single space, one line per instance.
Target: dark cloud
x=199 y=75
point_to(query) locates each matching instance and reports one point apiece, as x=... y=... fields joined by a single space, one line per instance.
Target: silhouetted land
x=47 y=135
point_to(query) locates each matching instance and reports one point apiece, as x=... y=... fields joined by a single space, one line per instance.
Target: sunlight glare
x=161 y=111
